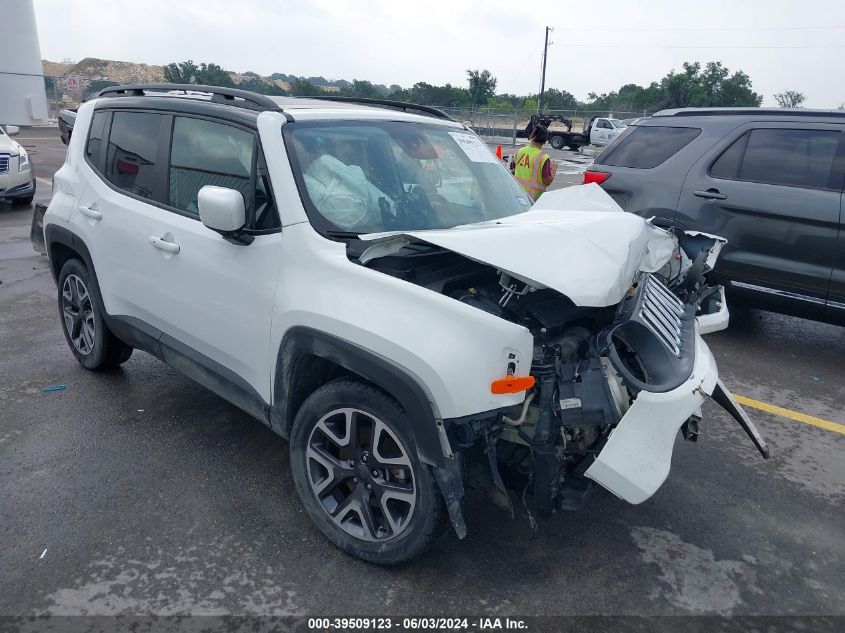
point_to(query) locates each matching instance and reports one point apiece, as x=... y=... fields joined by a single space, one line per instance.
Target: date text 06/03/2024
x=416 y=624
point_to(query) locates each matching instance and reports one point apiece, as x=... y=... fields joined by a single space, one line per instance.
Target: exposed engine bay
x=590 y=363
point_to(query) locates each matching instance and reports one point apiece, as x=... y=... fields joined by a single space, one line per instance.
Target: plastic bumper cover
x=637 y=457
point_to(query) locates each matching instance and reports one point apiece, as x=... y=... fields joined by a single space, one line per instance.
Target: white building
x=22 y=97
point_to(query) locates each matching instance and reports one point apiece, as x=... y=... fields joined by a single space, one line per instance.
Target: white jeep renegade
x=368 y=280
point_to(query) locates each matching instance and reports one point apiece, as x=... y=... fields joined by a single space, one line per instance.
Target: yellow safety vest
x=528 y=170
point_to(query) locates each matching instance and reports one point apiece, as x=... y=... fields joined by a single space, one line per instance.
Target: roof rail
x=788 y=112
x=228 y=96
x=388 y=103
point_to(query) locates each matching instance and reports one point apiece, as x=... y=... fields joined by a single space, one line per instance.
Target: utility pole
x=543 y=79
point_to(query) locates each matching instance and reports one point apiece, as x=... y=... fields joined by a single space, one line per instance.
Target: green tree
x=213 y=75
x=363 y=89
x=790 y=99
x=301 y=87
x=680 y=89
x=181 y=72
x=188 y=72
x=482 y=86
x=447 y=95
x=713 y=87
x=736 y=91
x=554 y=99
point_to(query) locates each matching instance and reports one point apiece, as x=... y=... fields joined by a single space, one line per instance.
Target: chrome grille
x=661 y=312
x=4 y=163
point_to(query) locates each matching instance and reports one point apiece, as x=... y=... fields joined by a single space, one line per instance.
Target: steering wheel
x=416 y=210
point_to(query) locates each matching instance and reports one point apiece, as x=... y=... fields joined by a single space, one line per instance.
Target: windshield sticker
x=523 y=201
x=475 y=150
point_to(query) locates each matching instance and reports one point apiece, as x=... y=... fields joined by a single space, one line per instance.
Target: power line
x=719 y=47
x=720 y=28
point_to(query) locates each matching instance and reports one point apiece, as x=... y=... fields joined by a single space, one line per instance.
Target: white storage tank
x=23 y=100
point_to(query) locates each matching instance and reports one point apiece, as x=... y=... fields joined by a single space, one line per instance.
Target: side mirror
x=12 y=130
x=221 y=209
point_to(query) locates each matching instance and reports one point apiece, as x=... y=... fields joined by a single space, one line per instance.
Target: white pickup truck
x=597 y=131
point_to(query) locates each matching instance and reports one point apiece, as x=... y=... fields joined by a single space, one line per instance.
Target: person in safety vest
x=532 y=168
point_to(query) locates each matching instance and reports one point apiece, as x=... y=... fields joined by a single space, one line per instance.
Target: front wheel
x=357 y=473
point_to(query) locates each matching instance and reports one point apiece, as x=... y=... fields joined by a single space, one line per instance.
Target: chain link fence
x=501 y=125
x=493 y=124
x=69 y=91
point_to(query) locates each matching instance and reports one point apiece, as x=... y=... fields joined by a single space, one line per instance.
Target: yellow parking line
x=792 y=415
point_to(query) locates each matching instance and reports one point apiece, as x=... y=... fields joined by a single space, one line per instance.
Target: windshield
x=618 y=124
x=367 y=176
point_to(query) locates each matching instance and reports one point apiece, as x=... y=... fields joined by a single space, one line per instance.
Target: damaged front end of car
x=619 y=365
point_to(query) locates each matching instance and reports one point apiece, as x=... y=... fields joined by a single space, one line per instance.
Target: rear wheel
x=356 y=470
x=81 y=312
x=556 y=141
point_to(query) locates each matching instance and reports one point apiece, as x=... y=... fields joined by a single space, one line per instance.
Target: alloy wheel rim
x=361 y=474
x=78 y=314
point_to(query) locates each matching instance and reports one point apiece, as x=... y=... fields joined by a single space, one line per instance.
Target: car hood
x=577 y=241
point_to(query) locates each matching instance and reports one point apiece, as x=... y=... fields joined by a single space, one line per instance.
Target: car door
x=215 y=296
x=769 y=189
x=210 y=298
x=124 y=153
x=836 y=298
x=601 y=132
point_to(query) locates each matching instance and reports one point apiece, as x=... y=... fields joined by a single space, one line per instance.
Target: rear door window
x=796 y=158
x=647 y=146
x=133 y=153
x=96 y=133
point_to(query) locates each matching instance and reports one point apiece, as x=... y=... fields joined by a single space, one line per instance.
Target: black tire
x=81 y=316
x=556 y=141
x=426 y=517
x=573 y=148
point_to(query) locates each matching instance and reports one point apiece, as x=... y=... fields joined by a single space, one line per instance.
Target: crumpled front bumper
x=637 y=457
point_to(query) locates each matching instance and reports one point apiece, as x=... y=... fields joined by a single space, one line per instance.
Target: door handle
x=710 y=194
x=91 y=213
x=161 y=243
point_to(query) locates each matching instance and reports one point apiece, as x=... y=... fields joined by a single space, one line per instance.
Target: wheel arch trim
x=54 y=234
x=302 y=341
x=432 y=445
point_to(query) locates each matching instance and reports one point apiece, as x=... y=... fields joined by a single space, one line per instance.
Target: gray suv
x=768 y=180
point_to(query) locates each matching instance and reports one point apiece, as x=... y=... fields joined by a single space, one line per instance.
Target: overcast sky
x=598 y=46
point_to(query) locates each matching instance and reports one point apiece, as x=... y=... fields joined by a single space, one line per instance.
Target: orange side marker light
x=511 y=384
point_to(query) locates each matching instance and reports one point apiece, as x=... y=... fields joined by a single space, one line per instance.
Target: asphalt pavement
x=138 y=492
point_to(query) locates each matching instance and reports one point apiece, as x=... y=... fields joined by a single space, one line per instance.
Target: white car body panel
x=547 y=245
x=637 y=457
x=718 y=321
x=454 y=350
